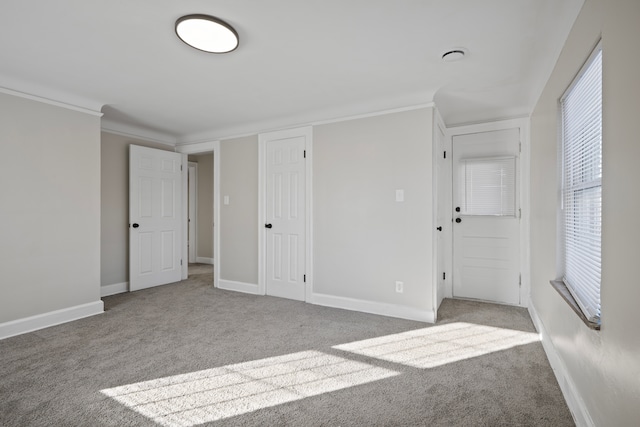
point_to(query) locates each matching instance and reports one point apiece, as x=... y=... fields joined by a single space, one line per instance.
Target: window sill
x=559 y=286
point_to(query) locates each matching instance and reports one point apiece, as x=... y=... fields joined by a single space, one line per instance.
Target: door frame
x=523 y=124
x=203 y=148
x=193 y=202
x=307 y=133
x=441 y=199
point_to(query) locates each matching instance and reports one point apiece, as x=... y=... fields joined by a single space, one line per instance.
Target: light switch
x=399 y=195
x=226 y=200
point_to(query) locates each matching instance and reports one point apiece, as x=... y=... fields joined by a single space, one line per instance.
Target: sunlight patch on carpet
x=219 y=393
x=439 y=345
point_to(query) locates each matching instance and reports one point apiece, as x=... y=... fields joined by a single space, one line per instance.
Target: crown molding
x=331 y=115
x=375 y=113
x=90 y=108
x=196 y=147
x=131 y=131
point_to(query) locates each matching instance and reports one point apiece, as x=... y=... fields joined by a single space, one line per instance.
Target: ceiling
x=298 y=62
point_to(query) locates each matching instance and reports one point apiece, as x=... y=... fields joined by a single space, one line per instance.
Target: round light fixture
x=207 y=33
x=453 y=55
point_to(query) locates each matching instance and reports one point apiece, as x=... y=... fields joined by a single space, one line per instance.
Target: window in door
x=488 y=186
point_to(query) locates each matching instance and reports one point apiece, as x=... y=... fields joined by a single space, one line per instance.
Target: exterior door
x=285 y=216
x=155 y=218
x=486 y=227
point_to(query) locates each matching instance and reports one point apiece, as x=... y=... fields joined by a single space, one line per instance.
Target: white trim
x=247 y=288
x=436 y=125
x=197 y=147
x=94 y=110
x=215 y=149
x=379 y=308
x=113 y=289
x=525 y=213
x=192 y=186
x=307 y=132
x=309 y=212
x=52 y=318
x=576 y=404
x=373 y=114
x=205 y=260
x=482 y=122
x=262 y=213
x=272 y=126
x=184 y=174
x=130 y=131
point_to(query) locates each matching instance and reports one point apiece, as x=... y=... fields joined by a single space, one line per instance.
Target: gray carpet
x=188 y=354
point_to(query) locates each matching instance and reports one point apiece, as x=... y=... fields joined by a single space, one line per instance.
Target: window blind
x=489 y=186
x=581 y=110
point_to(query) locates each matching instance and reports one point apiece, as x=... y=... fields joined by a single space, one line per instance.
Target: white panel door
x=155 y=228
x=486 y=227
x=285 y=217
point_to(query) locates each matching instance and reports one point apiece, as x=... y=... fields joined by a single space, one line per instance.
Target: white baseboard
x=113 y=289
x=52 y=318
x=205 y=260
x=230 y=285
x=574 y=401
x=373 y=307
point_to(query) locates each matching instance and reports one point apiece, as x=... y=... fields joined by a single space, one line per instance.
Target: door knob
x=439 y=228
x=458 y=209
x=135 y=225
x=458 y=220
x=268 y=225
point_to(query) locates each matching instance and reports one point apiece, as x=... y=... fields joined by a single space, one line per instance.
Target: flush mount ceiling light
x=453 y=55
x=207 y=33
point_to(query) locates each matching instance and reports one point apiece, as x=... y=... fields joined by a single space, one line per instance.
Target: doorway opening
x=200 y=215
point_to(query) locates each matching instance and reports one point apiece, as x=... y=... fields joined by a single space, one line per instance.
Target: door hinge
x=180 y=262
x=304 y=278
x=304 y=153
x=445 y=154
x=444 y=276
x=180 y=167
x=520 y=146
x=520 y=280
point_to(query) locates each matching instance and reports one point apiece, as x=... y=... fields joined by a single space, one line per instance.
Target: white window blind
x=581 y=110
x=489 y=186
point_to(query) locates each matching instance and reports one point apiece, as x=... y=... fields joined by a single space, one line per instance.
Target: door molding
x=523 y=124
x=200 y=148
x=307 y=133
x=192 y=226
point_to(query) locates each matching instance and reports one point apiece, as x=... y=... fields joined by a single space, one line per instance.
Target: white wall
x=50 y=195
x=365 y=241
x=599 y=371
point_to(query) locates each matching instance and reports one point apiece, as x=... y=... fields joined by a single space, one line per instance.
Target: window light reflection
x=219 y=393
x=439 y=345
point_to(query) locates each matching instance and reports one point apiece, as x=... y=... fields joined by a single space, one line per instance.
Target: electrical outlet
x=399 y=287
